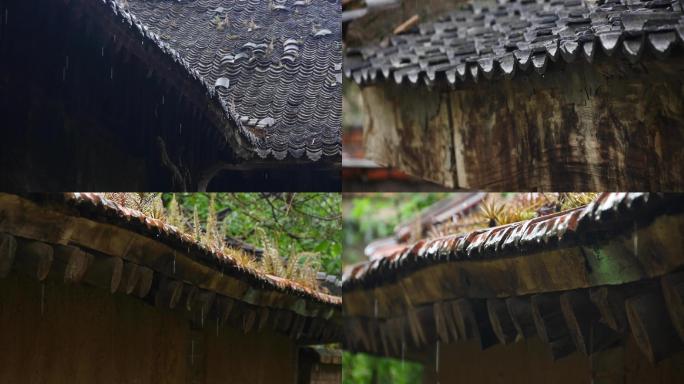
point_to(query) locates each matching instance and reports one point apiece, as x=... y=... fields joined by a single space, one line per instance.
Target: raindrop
x=174 y=263
x=42 y=299
x=202 y=315
x=162 y=99
x=217 y=325
x=403 y=353
x=111 y=73
x=437 y=357
x=192 y=352
x=180 y=128
x=635 y=240
x=375 y=308
x=102 y=51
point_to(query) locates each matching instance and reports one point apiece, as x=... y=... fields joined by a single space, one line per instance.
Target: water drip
x=437 y=357
x=42 y=299
x=635 y=240
x=403 y=353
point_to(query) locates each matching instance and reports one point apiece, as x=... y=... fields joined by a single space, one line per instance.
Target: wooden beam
x=520 y=310
x=8 y=250
x=73 y=262
x=264 y=315
x=145 y=279
x=583 y=320
x=201 y=307
x=190 y=293
x=440 y=316
x=415 y=327
x=34 y=258
x=673 y=293
x=501 y=321
x=610 y=302
x=129 y=279
x=397 y=116
x=550 y=324
x=473 y=322
x=104 y=272
x=169 y=293
x=224 y=307
x=651 y=326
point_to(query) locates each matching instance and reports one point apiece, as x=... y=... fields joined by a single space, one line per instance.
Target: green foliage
x=297 y=224
x=370 y=217
x=365 y=369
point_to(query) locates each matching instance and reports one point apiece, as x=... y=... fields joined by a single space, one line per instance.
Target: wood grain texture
x=87 y=335
x=602 y=126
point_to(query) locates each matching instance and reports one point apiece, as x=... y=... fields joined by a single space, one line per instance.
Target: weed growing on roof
x=300 y=267
x=501 y=209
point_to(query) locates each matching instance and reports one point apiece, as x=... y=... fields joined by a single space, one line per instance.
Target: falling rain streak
x=42 y=299
x=635 y=240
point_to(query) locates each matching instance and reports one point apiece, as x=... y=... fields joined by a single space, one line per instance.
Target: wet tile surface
x=497 y=41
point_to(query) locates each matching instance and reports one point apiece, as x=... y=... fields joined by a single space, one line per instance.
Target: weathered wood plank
x=651 y=326
x=610 y=262
x=72 y=262
x=168 y=293
x=34 y=258
x=485 y=135
x=104 y=272
x=610 y=302
x=550 y=324
x=473 y=322
x=673 y=293
x=129 y=279
x=8 y=250
x=520 y=310
x=501 y=321
x=583 y=320
x=145 y=280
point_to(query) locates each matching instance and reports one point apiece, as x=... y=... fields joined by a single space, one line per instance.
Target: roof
x=274 y=67
x=609 y=215
x=570 y=278
x=497 y=41
x=95 y=224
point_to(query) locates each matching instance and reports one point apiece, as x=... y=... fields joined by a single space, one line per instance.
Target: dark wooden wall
x=85 y=335
x=530 y=362
x=609 y=125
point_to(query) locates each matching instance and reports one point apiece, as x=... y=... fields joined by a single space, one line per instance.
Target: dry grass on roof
x=501 y=209
x=298 y=267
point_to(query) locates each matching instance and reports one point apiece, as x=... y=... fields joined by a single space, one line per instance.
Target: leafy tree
x=299 y=224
